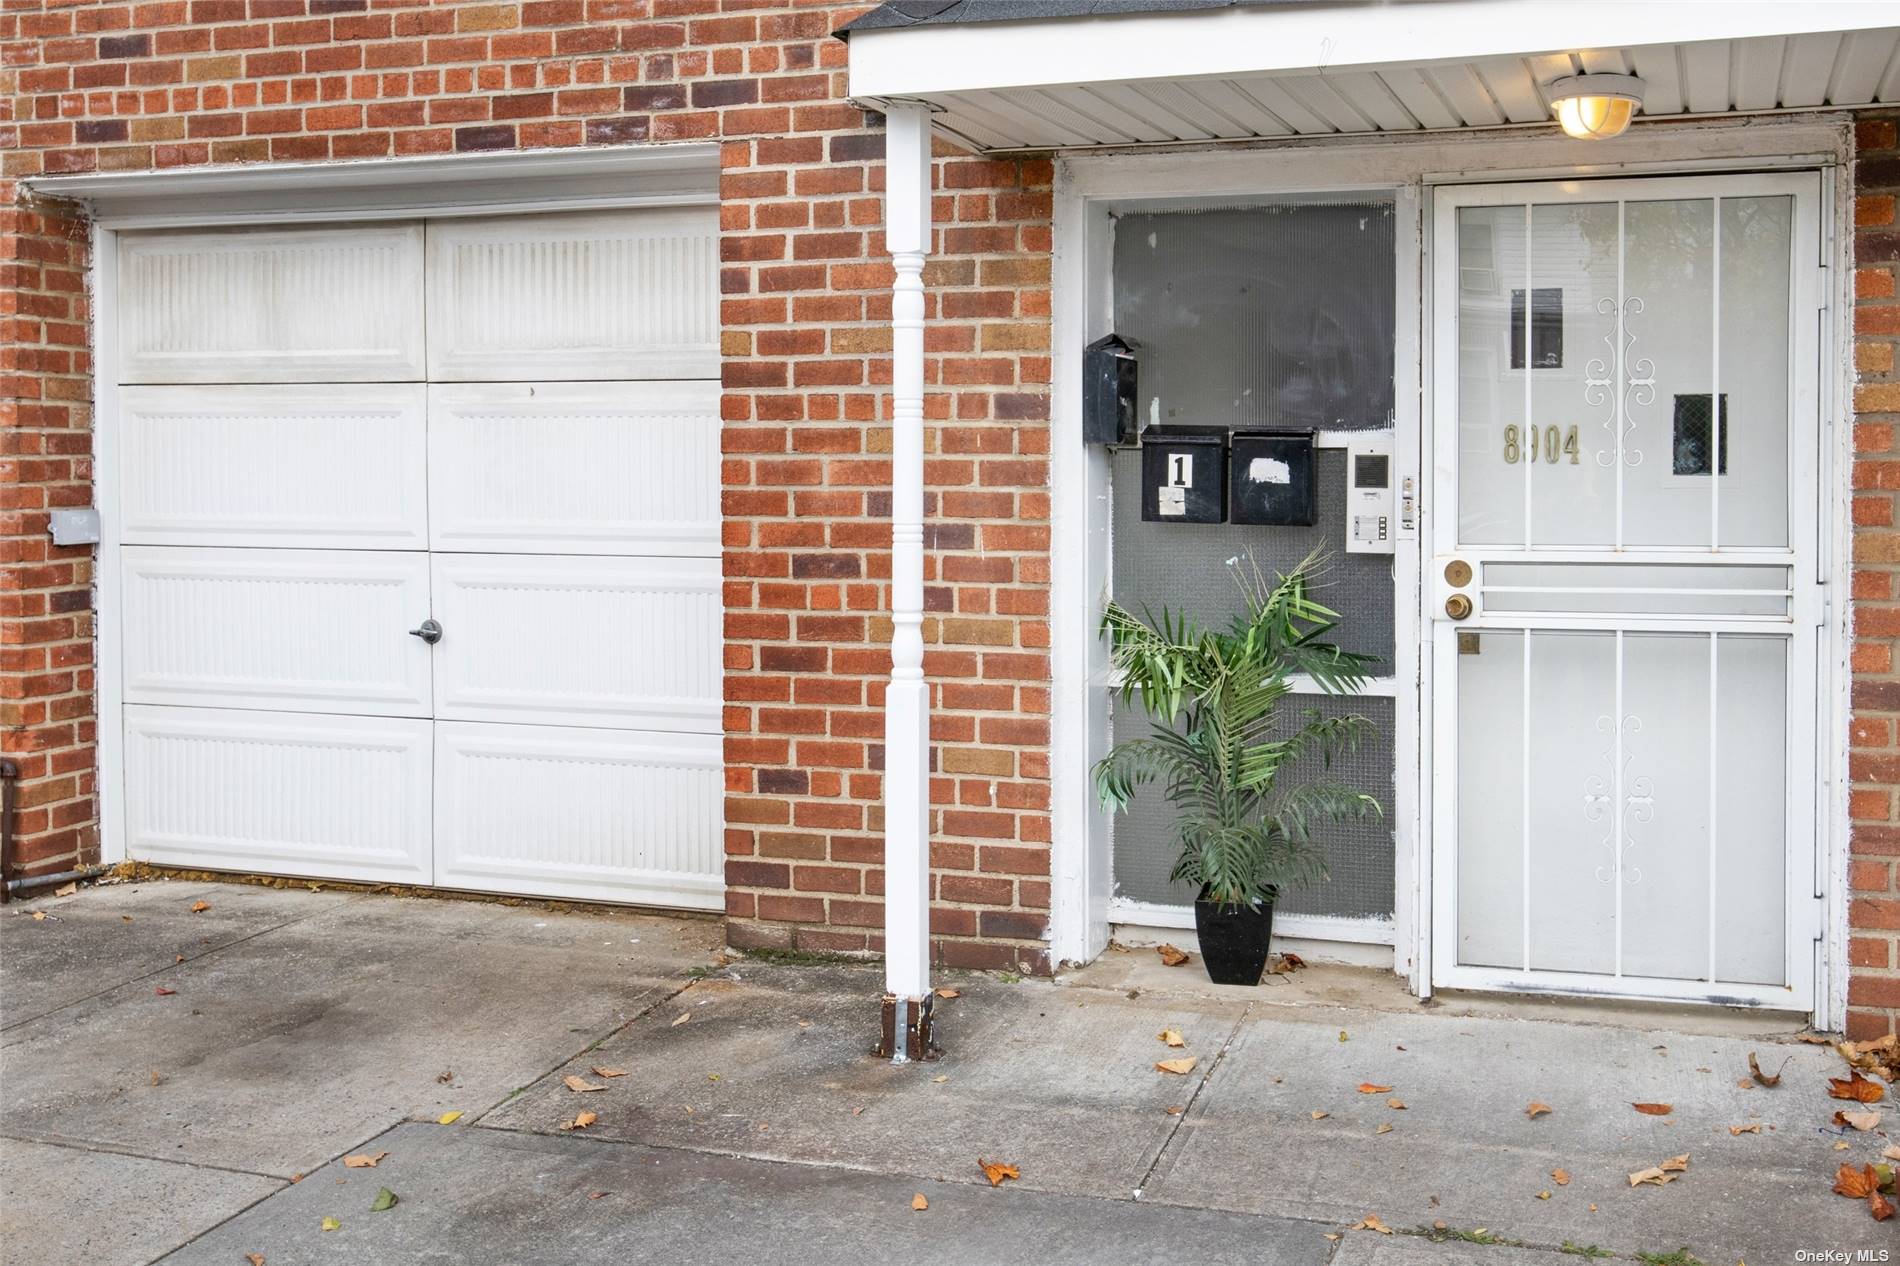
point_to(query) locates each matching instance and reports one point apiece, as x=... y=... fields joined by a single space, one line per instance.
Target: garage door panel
x=630 y=643
x=599 y=815
x=585 y=295
x=340 y=304
x=586 y=468
x=339 y=797
x=340 y=465
x=302 y=630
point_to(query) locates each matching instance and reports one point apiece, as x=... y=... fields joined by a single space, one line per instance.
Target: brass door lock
x=1457 y=573
x=1458 y=606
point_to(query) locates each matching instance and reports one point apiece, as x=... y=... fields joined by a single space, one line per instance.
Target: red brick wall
x=119 y=86
x=1874 y=912
x=46 y=677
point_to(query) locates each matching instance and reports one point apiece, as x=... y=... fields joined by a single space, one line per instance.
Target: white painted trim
x=922 y=61
x=1310 y=927
x=437 y=186
x=1836 y=388
x=107 y=593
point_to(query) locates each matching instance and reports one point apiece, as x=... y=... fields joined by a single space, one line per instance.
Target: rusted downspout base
x=910 y=1039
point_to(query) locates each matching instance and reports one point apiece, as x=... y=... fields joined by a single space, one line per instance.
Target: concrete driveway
x=185 y=1086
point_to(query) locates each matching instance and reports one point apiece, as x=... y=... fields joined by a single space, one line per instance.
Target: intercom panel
x=1372 y=524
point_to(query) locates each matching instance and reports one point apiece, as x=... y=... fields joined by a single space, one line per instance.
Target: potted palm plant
x=1219 y=742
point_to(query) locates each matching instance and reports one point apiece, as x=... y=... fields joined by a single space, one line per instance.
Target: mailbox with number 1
x=1184 y=478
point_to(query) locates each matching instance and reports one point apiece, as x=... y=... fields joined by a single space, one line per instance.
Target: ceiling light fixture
x=1595 y=107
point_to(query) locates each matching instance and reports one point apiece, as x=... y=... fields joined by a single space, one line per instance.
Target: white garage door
x=506 y=425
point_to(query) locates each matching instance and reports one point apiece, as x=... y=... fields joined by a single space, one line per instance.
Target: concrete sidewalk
x=308 y=1025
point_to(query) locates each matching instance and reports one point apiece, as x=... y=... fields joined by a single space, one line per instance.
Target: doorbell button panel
x=1372 y=524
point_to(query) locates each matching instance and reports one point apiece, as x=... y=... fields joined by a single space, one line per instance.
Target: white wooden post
x=907 y=701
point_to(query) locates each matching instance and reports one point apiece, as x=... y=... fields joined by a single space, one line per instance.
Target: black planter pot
x=1234 y=940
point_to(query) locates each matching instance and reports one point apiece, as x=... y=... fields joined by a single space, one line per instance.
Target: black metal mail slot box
x=1108 y=392
x=1271 y=478
x=1183 y=478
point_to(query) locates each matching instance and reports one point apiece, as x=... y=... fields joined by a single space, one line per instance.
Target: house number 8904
x=1550 y=445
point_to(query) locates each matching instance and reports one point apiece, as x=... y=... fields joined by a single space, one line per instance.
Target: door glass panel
x=1666 y=794
x=1570 y=759
x=1750 y=881
x=1668 y=315
x=1756 y=237
x=1567 y=455
x=1491 y=801
x=1491 y=253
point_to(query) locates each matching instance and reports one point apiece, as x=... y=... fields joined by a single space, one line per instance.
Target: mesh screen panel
x=1259 y=316
x=1183 y=566
x=1359 y=855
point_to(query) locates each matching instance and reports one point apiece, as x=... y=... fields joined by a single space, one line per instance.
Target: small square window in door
x=1697 y=447
x=1547 y=328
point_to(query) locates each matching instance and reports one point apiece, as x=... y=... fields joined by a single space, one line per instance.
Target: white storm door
x=1625 y=588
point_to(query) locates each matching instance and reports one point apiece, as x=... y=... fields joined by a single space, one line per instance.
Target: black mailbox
x=1271 y=478
x=1183 y=477
x=1108 y=392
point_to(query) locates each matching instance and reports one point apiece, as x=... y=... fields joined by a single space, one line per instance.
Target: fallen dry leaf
x=1316 y=1114
x=1754 y=1127
x=1762 y=1078
x=997 y=1171
x=595 y=1195
x=1170 y=956
x=940 y=1078
x=363 y=1160
x=1880 y=1207
x=1172 y=1037
x=39 y=916
x=1655 y=1175
x=255 y=1259
x=1654 y=1109
x=1856 y=1182
x=1544 y=1194
x=331 y=1224
x=163 y=992
x=682 y=1018
x=1857 y=1088
x=1398 y=1104
x=1180 y=1067
x=1334 y=1236
x=1890 y=1152
x=448 y=1118
x=598 y=1071
x=918 y=1202
x=949 y=993
x=1175 y=1109
x=66 y=890
x=1840 y=1147
x=1561 y=1177
x=199 y=907
x=1371 y=1223
x=1813 y=1039
x=1384 y=1129
x=581 y=1121
x=1367 y=1088
x=155 y=1077
x=1537 y=1110
x=1862 y=1121
x=1675 y=1164
x=579 y=1085
x=126 y=917
x=446 y=1076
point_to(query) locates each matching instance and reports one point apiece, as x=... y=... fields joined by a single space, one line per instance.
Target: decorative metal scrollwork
x=1639 y=381
x=1639 y=800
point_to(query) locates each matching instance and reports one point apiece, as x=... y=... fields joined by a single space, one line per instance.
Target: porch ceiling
x=1335 y=68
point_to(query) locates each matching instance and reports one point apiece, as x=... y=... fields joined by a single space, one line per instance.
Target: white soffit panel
x=271 y=305
x=582 y=468
x=1327 y=69
x=299 y=630
x=631 y=643
x=332 y=796
x=581 y=295
x=339 y=466
x=600 y=815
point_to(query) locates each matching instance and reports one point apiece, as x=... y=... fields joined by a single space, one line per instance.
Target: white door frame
x=440 y=187
x=1084 y=183
x=1804 y=825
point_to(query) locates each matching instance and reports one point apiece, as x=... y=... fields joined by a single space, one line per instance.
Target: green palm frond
x=1219 y=735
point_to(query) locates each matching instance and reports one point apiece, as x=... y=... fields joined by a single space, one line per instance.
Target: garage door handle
x=430 y=632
